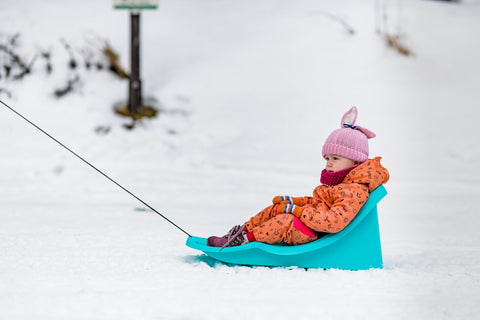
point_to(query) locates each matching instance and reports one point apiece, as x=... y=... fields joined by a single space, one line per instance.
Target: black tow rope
x=93 y=167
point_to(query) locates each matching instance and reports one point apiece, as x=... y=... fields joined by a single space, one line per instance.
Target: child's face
x=338 y=163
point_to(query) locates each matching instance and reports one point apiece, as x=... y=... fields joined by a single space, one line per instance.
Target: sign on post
x=135 y=4
x=135 y=85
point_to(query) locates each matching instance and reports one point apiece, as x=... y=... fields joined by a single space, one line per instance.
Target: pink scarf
x=333 y=178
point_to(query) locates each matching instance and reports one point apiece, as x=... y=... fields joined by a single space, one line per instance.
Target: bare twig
x=71 y=83
x=337 y=19
x=47 y=56
x=73 y=62
x=15 y=61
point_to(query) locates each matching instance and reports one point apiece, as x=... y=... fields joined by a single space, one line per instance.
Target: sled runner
x=357 y=247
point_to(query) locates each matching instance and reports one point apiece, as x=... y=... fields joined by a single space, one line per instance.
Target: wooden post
x=135 y=86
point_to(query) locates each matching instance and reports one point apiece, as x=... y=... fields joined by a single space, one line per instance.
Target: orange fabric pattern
x=329 y=210
x=270 y=227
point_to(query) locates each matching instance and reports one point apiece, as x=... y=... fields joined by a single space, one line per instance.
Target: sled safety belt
x=93 y=167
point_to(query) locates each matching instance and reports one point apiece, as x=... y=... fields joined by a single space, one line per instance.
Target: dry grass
x=114 y=62
x=393 y=41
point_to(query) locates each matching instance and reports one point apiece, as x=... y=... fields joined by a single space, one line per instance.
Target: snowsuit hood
x=370 y=173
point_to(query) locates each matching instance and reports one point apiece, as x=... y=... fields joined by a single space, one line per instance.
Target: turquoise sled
x=357 y=247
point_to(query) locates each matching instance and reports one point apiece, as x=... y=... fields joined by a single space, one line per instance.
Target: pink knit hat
x=350 y=141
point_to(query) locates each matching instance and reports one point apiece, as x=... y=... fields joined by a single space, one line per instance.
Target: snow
x=250 y=90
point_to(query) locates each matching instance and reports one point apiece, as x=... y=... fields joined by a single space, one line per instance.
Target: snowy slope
x=249 y=90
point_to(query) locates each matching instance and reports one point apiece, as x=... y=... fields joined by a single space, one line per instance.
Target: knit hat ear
x=368 y=133
x=348 y=121
x=349 y=117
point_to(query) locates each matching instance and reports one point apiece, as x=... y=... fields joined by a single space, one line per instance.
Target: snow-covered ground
x=250 y=90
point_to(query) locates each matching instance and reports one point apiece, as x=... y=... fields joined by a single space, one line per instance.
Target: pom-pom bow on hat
x=350 y=141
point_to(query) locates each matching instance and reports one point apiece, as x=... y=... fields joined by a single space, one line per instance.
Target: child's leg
x=283 y=228
x=264 y=215
x=258 y=219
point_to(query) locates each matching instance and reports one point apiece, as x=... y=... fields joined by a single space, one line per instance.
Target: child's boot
x=233 y=238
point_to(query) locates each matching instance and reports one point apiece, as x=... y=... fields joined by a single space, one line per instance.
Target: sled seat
x=356 y=247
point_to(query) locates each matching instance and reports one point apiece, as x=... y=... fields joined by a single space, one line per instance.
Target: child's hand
x=285 y=200
x=290 y=208
x=282 y=199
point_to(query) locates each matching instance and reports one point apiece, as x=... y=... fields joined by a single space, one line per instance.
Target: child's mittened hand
x=290 y=208
x=280 y=199
x=283 y=199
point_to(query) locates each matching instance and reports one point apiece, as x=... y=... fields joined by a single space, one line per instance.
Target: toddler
x=346 y=182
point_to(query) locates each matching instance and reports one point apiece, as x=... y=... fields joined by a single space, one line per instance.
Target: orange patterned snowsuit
x=329 y=210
